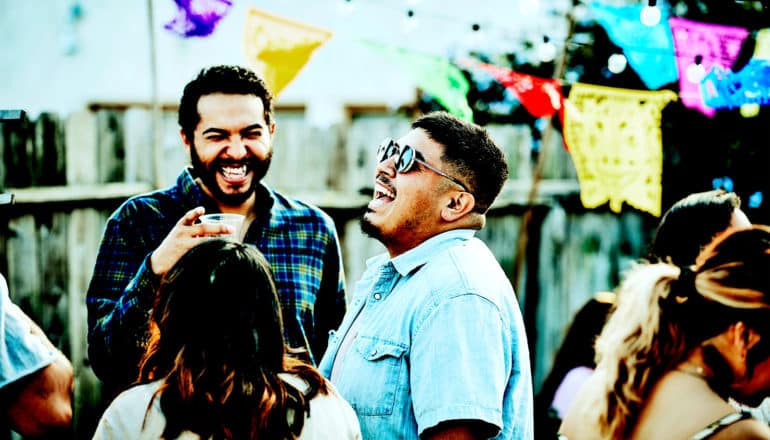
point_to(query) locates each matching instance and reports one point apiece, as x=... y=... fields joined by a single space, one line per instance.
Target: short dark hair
x=691 y=223
x=471 y=153
x=234 y=80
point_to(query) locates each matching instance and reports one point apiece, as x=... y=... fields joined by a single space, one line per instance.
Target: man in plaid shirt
x=227 y=126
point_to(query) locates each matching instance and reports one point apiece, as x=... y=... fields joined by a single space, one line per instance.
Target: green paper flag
x=437 y=76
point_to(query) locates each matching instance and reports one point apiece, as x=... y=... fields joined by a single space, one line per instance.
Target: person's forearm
x=43 y=404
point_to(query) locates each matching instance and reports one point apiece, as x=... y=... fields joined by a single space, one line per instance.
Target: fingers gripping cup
x=234 y=220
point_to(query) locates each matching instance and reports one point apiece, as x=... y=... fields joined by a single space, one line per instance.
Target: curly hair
x=217 y=343
x=233 y=80
x=664 y=312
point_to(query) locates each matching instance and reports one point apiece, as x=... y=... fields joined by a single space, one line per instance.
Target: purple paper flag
x=707 y=44
x=198 y=18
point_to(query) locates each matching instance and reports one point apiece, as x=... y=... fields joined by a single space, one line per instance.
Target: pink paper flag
x=711 y=44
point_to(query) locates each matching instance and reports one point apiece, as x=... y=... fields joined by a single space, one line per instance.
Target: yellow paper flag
x=278 y=48
x=762 y=48
x=615 y=141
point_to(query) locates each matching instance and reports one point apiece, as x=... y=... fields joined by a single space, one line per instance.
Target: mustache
x=250 y=162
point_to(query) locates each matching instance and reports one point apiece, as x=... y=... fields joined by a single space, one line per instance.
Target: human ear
x=458 y=205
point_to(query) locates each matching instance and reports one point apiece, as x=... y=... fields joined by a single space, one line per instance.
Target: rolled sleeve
x=21 y=352
x=464 y=378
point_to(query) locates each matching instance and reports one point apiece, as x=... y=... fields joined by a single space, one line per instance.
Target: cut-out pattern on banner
x=614 y=138
x=279 y=48
x=434 y=74
x=648 y=49
x=540 y=96
x=198 y=18
x=724 y=89
x=712 y=44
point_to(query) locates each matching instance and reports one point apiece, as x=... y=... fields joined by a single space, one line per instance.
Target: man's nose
x=237 y=147
x=387 y=167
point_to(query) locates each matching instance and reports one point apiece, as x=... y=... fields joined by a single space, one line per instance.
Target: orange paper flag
x=278 y=48
x=615 y=141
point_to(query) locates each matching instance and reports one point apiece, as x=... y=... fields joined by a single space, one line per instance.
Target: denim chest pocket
x=381 y=367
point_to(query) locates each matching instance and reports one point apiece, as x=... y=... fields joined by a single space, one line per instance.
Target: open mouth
x=234 y=173
x=383 y=193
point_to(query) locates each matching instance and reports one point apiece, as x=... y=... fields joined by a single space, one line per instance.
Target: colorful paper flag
x=278 y=48
x=648 y=49
x=540 y=96
x=762 y=48
x=711 y=45
x=614 y=138
x=198 y=18
x=722 y=88
x=436 y=75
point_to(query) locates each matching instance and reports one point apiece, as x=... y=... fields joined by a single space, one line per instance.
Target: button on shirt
x=443 y=340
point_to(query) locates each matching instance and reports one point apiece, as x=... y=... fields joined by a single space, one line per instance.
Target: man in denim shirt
x=433 y=344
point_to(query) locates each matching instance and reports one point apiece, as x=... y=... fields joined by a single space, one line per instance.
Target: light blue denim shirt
x=441 y=340
x=21 y=352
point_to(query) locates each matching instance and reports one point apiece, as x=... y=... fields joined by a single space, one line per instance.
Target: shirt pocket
x=382 y=372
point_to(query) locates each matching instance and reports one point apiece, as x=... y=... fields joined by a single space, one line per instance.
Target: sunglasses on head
x=406 y=156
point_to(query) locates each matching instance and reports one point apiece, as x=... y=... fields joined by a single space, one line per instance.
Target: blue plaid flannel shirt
x=299 y=240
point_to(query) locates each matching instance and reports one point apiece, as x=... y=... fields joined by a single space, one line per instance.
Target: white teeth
x=380 y=191
x=233 y=171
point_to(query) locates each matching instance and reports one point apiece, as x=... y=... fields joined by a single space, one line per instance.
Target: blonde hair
x=663 y=312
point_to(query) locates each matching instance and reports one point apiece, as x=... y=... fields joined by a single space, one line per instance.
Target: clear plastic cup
x=234 y=220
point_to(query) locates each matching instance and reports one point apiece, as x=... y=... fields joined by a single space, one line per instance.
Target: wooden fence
x=69 y=174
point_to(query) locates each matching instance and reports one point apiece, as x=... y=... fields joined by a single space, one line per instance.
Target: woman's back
x=127 y=416
x=681 y=405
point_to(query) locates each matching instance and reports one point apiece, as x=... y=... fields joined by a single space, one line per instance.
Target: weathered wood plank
x=81 y=148
x=110 y=146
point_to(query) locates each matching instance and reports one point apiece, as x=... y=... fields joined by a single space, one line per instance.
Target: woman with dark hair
x=216 y=366
x=678 y=344
x=692 y=222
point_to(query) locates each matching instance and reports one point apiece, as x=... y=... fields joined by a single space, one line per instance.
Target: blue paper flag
x=755 y=200
x=721 y=88
x=649 y=49
x=198 y=18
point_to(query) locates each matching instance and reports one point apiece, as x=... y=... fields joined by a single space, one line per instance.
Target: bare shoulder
x=748 y=429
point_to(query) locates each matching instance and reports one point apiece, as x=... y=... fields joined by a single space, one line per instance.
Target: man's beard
x=369 y=229
x=208 y=175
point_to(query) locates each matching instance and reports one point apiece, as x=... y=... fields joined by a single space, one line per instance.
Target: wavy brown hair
x=217 y=344
x=664 y=312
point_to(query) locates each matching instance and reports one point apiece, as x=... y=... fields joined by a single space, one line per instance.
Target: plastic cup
x=234 y=220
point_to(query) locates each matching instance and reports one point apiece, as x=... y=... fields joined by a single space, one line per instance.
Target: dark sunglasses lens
x=384 y=151
x=405 y=159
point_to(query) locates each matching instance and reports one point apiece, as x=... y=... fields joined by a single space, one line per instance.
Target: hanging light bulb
x=476 y=39
x=749 y=110
x=547 y=50
x=410 y=21
x=650 y=14
x=616 y=63
x=695 y=71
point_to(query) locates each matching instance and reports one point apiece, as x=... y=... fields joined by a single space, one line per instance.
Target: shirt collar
x=416 y=257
